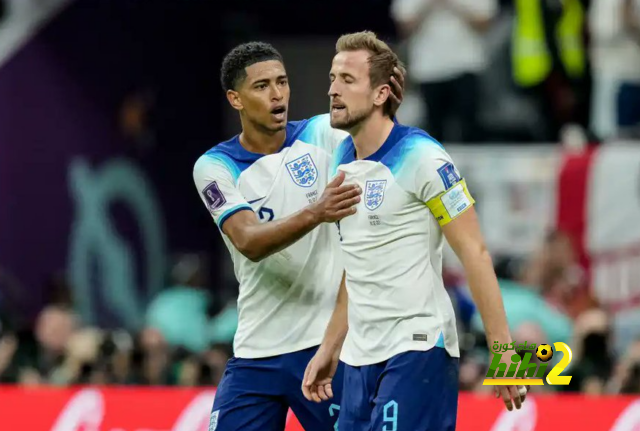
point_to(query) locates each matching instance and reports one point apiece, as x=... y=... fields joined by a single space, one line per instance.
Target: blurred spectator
x=446 y=55
x=626 y=378
x=530 y=307
x=137 y=118
x=592 y=361
x=8 y=347
x=81 y=354
x=549 y=61
x=152 y=359
x=37 y=356
x=525 y=308
x=216 y=358
x=181 y=313
x=557 y=273
x=615 y=54
x=629 y=93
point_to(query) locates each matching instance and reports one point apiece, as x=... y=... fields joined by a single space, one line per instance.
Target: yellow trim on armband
x=449 y=204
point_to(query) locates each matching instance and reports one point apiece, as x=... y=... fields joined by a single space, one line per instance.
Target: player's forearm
x=338 y=325
x=486 y=293
x=258 y=240
x=261 y=240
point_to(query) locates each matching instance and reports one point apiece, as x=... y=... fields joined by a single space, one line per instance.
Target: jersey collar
x=377 y=156
x=241 y=154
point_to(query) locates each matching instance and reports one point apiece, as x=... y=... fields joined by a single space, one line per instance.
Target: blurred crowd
x=547 y=300
x=186 y=338
x=520 y=70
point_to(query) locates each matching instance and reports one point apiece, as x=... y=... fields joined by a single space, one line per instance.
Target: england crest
x=213 y=196
x=303 y=171
x=374 y=194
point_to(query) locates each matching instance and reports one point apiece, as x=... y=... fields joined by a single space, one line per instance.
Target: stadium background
x=113 y=278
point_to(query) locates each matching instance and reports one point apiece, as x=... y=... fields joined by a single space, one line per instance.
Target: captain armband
x=449 y=204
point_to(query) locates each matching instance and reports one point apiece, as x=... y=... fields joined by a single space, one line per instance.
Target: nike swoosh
x=256 y=200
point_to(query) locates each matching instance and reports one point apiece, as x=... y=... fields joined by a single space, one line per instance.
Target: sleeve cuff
x=231 y=211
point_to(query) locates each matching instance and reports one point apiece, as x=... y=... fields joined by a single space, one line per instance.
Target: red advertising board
x=162 y=409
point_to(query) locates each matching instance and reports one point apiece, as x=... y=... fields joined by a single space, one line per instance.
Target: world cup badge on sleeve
x=374 y=193
x=213 y=196
x=449 y=175
x=303 y=171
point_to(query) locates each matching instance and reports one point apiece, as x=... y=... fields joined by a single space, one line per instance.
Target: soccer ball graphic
x=544 y=352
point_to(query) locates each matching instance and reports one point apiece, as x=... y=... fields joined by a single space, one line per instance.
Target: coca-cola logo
x=88 y=410
x=85 y=411
x=195 y=416
x=524 y=419
x=629 y=419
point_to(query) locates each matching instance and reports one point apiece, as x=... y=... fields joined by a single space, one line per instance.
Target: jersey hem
x=391 y=354
x=248 y=354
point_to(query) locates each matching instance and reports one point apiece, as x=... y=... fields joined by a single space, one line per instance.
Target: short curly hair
x=233 y=70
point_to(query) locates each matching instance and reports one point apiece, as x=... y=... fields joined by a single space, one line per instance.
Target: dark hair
x=242 y=56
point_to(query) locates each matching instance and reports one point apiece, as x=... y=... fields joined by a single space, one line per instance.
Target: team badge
x=449 y=175
x=214 y=197
x=303 y=171
x=213 y=420
x=374 y=194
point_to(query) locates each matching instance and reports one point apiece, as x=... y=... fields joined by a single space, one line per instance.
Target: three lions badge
x=374 y=193
x=303 y=171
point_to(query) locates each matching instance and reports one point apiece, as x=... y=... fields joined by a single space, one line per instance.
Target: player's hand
x=397 y=90
x=512 y=395
x=338 y=201
x=316 y=384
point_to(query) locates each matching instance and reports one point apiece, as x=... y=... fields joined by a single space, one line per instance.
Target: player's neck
x=371 y=134
x=261 y=142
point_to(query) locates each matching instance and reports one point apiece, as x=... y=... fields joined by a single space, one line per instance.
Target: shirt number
x=266 y=214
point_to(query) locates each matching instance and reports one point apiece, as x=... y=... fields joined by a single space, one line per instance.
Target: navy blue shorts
x=629 y=105
x=415 y=391
x=256 y=394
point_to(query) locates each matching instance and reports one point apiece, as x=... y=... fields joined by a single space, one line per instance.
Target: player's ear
x=382 y=94
x=234 y=99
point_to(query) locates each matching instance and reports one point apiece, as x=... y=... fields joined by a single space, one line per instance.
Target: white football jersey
x=285 y=301
x=392 y=247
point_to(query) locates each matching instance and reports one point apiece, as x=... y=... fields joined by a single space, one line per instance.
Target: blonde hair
x=382 y=59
